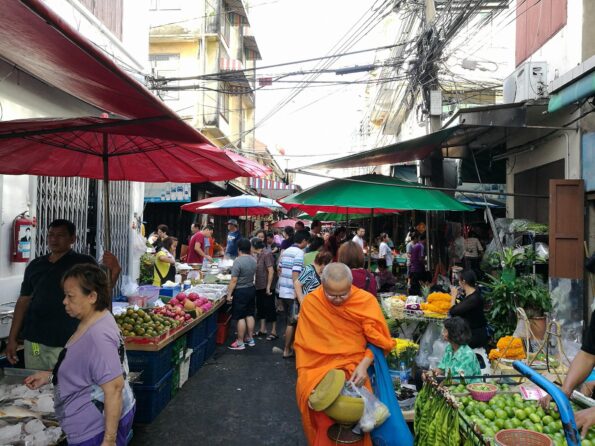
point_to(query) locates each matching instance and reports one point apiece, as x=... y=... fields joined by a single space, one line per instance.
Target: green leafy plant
x=510 y=259
x=527 y=292
x=147 y=261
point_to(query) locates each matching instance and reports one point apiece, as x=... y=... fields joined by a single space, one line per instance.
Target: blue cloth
x=231 y=250
x=394 y=431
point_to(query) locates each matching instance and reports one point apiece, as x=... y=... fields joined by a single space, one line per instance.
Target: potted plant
x=534 y=297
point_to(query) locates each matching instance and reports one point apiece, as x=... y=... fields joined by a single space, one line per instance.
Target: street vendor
x=580 y=368
x=458 y=357
x=336 y=322
x=165 y=262
x=39 y=315
x=93 y=399
x=470 y=308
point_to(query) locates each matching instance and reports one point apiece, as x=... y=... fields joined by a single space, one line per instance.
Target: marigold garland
x=508 y=347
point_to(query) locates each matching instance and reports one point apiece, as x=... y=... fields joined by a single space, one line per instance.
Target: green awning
x=580 y=89
x=371 y=193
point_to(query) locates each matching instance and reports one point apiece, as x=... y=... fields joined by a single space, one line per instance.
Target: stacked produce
x=396 y=306
x=191 y=302
x=404 y=352
x=438 y=304
x=508 y=347
x=140 y=323
x=436 y=418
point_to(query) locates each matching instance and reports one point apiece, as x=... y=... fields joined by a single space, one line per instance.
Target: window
x=226 y=25
x=166 y=65
x=537 y=21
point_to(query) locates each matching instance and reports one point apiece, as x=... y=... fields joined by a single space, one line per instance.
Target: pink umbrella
x=282 y=223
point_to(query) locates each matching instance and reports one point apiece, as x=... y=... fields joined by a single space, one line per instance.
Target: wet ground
x=243 y=398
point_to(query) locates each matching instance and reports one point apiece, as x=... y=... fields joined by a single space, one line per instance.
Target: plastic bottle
x=403 y=373
x=187 y=284
x=205 y=264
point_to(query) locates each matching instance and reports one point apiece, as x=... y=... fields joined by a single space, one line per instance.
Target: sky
x=320 y=120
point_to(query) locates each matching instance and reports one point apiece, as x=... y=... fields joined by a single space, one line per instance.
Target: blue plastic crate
x=211 y=344
x=153 y=365
x=198 y=358
x=151 y=400
x=197 y=335
x=211 y=324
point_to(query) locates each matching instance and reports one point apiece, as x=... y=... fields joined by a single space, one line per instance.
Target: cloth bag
x=394 y=431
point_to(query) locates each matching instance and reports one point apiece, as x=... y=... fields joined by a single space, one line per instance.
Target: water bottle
x=403 y=373
x=205 y=264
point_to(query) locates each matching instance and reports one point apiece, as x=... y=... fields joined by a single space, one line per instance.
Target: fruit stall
x=168 y=343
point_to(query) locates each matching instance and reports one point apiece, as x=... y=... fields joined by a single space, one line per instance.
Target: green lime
x=534 y=417
x=527 y=424
x=515 y=422
x=520 y=414
x=499 y=423
x=586 y=442
x=508 y=424
x=501 y=414
x=538 y=427
x=547 y=419
x=490 y=414
x=509 y=411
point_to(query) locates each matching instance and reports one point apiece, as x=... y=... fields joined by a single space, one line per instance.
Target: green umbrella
x=371 y=194
x=330 y=216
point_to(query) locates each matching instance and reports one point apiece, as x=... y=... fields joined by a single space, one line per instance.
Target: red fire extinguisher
x=22 y=236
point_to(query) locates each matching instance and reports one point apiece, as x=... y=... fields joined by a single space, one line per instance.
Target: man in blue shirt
x=231 y=250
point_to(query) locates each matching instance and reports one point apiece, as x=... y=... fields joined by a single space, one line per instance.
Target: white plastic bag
x=129 y=286
x=375 y=411
x=138 y=244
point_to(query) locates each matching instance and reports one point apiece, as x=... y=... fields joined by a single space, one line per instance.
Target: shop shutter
x=567 y=226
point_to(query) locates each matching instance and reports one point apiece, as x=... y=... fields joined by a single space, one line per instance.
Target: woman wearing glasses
x=92 y=397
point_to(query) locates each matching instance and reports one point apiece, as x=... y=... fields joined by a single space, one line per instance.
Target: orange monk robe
x=334 y=337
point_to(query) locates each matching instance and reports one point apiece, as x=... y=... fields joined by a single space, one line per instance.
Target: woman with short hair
x=93 y=399
x=458 y=357
x=352 y=255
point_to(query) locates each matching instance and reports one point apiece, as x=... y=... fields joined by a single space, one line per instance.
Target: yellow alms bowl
x=346 y=409
x=327 y=390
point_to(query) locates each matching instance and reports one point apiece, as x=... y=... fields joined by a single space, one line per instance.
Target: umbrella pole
x=370 y=238
x=107 y=242
x=106 y=208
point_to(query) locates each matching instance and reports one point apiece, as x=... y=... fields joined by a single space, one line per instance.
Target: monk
x=336 y=322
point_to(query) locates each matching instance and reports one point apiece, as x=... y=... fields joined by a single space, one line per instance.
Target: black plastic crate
x=179 y=350
x=197 y=335
x=198 y=358
x=153 y=365
x=151 y=400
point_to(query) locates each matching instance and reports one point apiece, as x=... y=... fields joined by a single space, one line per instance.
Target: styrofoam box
x=185 y=367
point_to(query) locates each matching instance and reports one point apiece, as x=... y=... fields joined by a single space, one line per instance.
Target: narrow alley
x=244 y=398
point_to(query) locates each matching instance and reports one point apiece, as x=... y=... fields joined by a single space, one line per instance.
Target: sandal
x=272 y=337
x=260 y=334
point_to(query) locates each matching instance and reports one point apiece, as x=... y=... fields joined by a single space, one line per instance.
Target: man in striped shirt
x=291 y=265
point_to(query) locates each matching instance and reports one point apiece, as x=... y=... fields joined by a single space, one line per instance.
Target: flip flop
x=260 y=333
x=272 y=337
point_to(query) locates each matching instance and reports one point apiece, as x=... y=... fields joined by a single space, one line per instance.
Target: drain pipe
x=567 y=161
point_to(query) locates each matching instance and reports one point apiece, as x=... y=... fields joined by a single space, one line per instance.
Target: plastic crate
x=197 y=335
x=170 y=291
x=179 y=350
x=222 y=330
x=153 y=365
x=151 y=400
x=175 y=381
x=211 y=345
x=211 y=324
x=198 y=358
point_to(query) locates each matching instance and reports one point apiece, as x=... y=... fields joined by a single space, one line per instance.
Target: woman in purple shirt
x=417 y=267
x=92 y=397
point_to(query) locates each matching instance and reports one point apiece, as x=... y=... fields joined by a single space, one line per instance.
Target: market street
x=237 y=398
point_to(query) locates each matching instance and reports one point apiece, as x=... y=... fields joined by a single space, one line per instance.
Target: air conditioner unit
x=528 y=81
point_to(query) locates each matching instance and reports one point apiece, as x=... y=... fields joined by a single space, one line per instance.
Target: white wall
x=563 y=51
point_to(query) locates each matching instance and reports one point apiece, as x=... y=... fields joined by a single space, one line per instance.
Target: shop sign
x=167 y=192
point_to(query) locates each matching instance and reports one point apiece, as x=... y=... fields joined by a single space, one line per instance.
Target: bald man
x=336 y=322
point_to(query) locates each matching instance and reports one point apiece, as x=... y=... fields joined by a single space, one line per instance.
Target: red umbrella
x=195 y=205
x=112 y=149
x=247 y=205
x=282 y=223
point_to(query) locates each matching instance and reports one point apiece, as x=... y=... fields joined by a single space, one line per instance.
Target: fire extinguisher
x=22 y=236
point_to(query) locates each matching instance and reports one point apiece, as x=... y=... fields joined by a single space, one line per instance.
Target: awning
x=401 y=152
x=270 y=188
x=483 y=130
x=39 y=42
x=580 y=89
